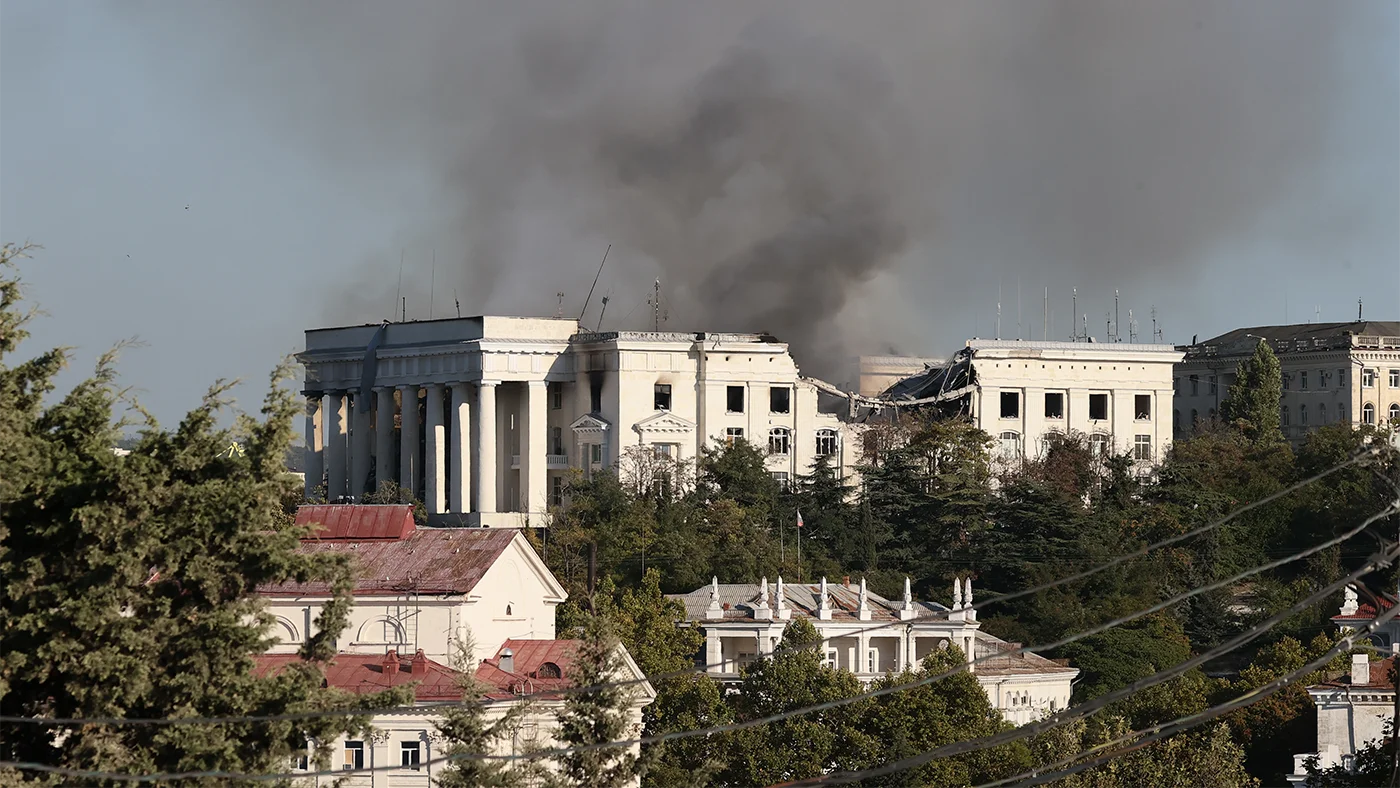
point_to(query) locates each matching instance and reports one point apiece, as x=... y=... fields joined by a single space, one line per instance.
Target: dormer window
x=549 y=670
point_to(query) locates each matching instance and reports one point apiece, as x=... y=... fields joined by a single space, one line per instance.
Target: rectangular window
x=1341 y=377
x=1283 y=415
x=779 y=441
x=1287 y=382
x=1368 y=378
x=556 y=440
x=1395 y=378
x=301 y=762
x=1098 y=407
x=1195 y=386
x=832 y=656
x=1322 y=378
x=1303 y=380
x=734 y=399
x=1055 y=406
x=354 y=755
x=781 y=477
x=1142 y=407
x=779 y=399
x=1214 y=384
x=667 y=450
x=556 y=491
x=661 y=396
x=1303 y=414
x=826 y=443
x=732 y=434
x=408 y=755
x=1098 y=445
x=1142 y=447
x=595 y=453
x=556 y=396
x=872 y=661
x=1010 y=405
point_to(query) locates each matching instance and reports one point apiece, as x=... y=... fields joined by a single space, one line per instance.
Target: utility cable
x=673 y=735
x=1378 y=561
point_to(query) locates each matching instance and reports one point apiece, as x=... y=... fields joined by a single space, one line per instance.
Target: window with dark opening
x=1142 y=407
x=556 y=396
x=1055 y=405
x=732 y=434
x=779 y=399
x=1098 y=407
x=556 y=440
x=1010 y=404
x=779 y=440
x=408 y=754
x=661 y=398
x=548 y=670
x=734 y=399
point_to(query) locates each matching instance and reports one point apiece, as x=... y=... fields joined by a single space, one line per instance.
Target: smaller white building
x=1025 y=393
x=745 y=621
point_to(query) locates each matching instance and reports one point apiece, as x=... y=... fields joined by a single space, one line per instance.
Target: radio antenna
x=604 y=311
x=457 y=301
x=432 y=285
x=399 y=294
x=584 y=311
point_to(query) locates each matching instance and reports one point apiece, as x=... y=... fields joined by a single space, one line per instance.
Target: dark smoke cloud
x=847 y=176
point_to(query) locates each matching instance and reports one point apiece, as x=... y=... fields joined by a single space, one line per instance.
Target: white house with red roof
x=420 y=588
x=871 y=636
x=1352 y=710
x=419 y=594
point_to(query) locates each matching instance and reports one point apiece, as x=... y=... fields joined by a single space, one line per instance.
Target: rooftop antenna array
x=1074 y=324
x=1156 y=329
x=1117 y=326
x=1132 y=328
x=657 y=316
x=584 y=311
x=604 y=311
x=1045 y=317
x=998 y=336
x=457 y=302
x=558 y=310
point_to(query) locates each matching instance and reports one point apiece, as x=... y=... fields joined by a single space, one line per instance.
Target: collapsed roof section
x=945 y=389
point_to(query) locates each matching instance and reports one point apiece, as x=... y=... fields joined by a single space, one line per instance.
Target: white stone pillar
x=408 y=439
x=534 y=454
x=713 y=653
x=486 y=448
x=385 y=465
x=434 y=459
x=334 y=422
x=862 y=652
x=461 y=474
x=359 y=447
x=315 y=447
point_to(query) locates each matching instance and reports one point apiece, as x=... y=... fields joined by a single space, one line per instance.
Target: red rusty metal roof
x=427 y=561
x=366 y=673
x=531 y=673
x=1379 y=675
x=1365 y=611
x=360 y=521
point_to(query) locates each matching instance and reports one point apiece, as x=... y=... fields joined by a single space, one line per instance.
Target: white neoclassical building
x=1024 y=393
x=1332 y=373
x=872 y=636
x=503 y=408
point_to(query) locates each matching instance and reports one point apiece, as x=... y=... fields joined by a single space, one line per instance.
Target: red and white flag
x=799 y=518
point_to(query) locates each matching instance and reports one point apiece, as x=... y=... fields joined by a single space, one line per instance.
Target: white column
x=359 y=446
x=862 y=649
x=534 y=445
x=461 y=500
x=713 y=653
x=385 y=465
x=334 y=422
x=434 y=461
x=486 y=448
x=315 y=448
x=408 y=439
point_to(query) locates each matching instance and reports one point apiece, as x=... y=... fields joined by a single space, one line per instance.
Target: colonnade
x=460 y=450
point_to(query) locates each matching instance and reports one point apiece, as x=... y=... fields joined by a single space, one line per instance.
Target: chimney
x=390 y=664
x=507 y=660
x=419 y=665
x=1360 y=669
x=846 y=581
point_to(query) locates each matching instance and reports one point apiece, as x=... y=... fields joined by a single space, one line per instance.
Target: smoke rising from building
x=848 y=178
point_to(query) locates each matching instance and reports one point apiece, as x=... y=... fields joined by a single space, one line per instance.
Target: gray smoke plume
x=846 y=176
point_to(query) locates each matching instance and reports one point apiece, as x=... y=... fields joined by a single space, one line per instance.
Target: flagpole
x=799 y=545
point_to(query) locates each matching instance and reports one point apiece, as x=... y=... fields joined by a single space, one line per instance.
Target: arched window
x=548 y=670
x=1303 y=414
x=1283 y=415
x=1195 y=418
x=1099 y=445
x=381 y=629
x=779 y=440
x=1395 y=412
x=826 y=442
x=1322 y=413
x=1368 y=414
x=1049 y=441
x=1009 y=445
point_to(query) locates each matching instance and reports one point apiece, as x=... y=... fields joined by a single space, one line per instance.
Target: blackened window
x=734 y=399
x=1098 y=407
x=1055 y=405
x=661 y=397
x=1010 y=404
x=1142 y=407
x=779 y=399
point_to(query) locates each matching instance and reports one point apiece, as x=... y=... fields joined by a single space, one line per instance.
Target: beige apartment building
x=1332 y=373
x=503 y=409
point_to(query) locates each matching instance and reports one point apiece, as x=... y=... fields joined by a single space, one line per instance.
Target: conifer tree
x=469 y=732
x=597 y=717
x=129 y=581
x=1252 y=401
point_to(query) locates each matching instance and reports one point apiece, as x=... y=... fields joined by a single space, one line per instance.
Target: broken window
x=1142 y=407
x=1055 y=405
x=1098 y=445
x=732 y=434
x=826 y=443
x=779 y=440
x=779 y=399
x=661 y=397
x=1098 y=407
x=1010 y=404
x=734 y=399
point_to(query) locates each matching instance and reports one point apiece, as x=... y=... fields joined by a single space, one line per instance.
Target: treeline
x=934 y=503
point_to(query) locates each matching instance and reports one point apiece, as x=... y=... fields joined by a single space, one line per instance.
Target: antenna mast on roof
x=1132 y=328
x=1073 y=326
x=1156 y=329
x=399 y=294
x=457 y=302
x=432 y=285
x=1045 y=317
x=559 y=310
x=601 y=313
x=595 y=284
x=1117 y=326
x=998 y=309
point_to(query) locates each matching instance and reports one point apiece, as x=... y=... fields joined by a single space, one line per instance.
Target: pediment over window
x=664 y=423
x=590 y=425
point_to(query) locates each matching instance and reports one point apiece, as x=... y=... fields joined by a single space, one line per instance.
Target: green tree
x=1206 y=758
x=596 y=717
x=687 y=703
x=1118 y=657
x=1252 y=402
x=468 y=732
x=130 y=581
x=646 y=621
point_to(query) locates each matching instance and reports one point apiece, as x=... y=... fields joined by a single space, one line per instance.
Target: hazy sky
x=213 y=178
